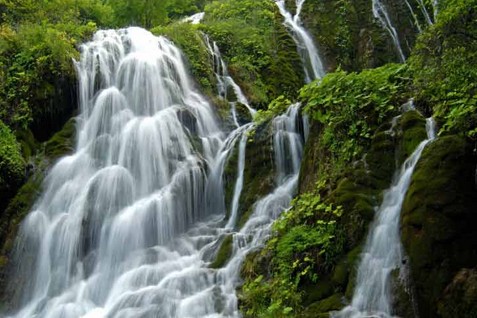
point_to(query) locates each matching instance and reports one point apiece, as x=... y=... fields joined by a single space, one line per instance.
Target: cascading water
x=310 y=57
x=288 y=140
x=225 y=82
x=381 y=13
x=383 y=251
x=195 y=18
x=128 y=224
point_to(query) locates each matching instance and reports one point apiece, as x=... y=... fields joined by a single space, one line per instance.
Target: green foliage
x=258 y=50
x=12 y=166
x=352 y=105
x=38 y=41
x=306 y=242
x=148 y=14
x=269 y=299
x=277 y=107
x=442 y=64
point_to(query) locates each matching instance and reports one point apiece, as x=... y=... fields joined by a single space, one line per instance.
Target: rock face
x=438 y=228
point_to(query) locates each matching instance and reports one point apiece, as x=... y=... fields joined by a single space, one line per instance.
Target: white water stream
x=309 y=54
x=383 y=251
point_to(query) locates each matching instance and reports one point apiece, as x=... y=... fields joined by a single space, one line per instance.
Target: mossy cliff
x=438 y=218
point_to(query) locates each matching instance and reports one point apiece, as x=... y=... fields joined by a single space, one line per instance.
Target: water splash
x=312 y=64
x=383 y=250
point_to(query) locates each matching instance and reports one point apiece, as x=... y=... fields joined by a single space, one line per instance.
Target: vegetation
x=351 y=106
x=12 y=165
x=441 y=64
x=260 y=54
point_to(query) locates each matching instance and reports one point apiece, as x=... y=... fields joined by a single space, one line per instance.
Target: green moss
x=316 y=292
x=438 y=218
x=259 y=172
x=27 y=142
x=261 y=56
x=352 y=258
x=323 y=307
x=12 y=165
x=412 y=132
x=349 y=36
x=62 y=142
x=224 y=253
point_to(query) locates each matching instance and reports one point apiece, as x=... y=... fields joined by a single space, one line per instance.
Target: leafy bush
x=443 y=67
x=12 y=166
x=352 y=105
x=306 y=242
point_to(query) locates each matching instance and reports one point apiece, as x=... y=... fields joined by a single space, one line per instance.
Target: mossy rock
x=460 y=296
x=353 y=258
x=411 y=134
x=259 y=171
x=313 y=154
x=323 y=307
x=402 y=302
x=315 y=292
x=27 y=142
x=348 y=35
x=224 y=253
x=439 y=217
x=62 y=142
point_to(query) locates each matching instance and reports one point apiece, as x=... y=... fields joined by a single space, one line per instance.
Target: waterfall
x=225 y=82
x=195 y=18
x=380 y=12
x=383 y=251
x=128 y=224
x=309 y=54
x=287 y=140
x=426 y=15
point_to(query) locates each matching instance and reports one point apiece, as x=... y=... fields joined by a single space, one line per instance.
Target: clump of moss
x=224 y=252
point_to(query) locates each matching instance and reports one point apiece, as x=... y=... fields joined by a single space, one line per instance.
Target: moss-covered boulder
x=438 y=220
